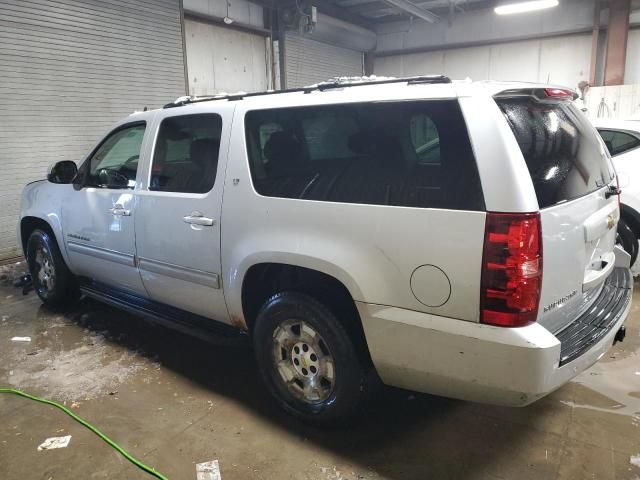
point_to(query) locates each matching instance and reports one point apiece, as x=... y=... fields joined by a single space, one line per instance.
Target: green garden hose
x=113 y=444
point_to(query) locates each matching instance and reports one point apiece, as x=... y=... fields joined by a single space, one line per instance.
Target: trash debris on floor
x=21 y=339
x=208 y=471
x=54 y=442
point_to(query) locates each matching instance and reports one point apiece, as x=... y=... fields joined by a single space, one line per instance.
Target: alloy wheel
x=303 y=361
x=45 y=271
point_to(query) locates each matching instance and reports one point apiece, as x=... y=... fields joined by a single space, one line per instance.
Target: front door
x=178 y=213
x=98 y=212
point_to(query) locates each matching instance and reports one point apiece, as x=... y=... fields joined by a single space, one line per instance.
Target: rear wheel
x=52 y=280
x=307 y=360
x=627 y=240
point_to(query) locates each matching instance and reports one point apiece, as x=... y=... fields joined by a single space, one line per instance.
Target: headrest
x=282 y=150
x=204 y=150
x=376 y=144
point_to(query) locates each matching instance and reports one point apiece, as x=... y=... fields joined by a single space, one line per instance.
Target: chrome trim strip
x=201 y=277
x=101 y=253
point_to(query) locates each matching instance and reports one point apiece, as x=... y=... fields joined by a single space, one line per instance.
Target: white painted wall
x=560 y=60
x=221 y=59
x=620 y=102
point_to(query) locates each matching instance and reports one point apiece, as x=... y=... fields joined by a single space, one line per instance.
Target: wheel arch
x=264 y=279
x=40 y=205
x=28 y=223
x=27 y=226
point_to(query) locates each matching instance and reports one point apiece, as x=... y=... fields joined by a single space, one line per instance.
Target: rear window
x=561 y=149
x=413 y=153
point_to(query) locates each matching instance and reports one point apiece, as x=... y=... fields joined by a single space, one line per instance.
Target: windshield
x=562 y=150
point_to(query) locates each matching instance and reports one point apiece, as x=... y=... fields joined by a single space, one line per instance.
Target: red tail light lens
x=559 y=93
x=511 y=269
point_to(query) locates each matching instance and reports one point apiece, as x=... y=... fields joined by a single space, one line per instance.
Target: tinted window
x=425 y=139
x=561 y=148
x=115 y=162
x=185 y=158
x=414 y=154
x=618 y=142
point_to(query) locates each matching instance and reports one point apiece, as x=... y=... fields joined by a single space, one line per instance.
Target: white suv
x=452 y=238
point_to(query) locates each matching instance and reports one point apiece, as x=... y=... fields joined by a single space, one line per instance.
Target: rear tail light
x=511 y=269
x=560 y=93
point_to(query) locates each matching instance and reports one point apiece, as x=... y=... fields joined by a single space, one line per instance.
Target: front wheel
x=52 y=280
x=307 y=360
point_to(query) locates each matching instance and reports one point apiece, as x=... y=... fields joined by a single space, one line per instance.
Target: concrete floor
x=175 y=401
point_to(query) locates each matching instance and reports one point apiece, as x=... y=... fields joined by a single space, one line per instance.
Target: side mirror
x=62 y=172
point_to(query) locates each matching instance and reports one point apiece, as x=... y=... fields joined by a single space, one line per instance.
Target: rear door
x=572 y=175
x=178 y=220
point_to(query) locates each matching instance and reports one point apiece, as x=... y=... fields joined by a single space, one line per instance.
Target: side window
x=115 y=162
x=185 y=157
x=618 y=142
x=409 y=153
x=425 y=139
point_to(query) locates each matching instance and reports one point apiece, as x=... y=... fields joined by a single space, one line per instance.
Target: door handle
x=196 y=218
x=596 y=276
x=120 y=211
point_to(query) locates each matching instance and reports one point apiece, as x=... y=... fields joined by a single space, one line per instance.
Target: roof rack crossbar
x=321 y=87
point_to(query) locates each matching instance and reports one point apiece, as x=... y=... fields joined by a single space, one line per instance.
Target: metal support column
x=617 y=36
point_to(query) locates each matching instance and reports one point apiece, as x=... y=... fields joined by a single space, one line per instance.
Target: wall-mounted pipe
x=595 y=34
x=243 y=27
x=342 y=34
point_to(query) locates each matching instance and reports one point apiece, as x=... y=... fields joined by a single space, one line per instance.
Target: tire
x=628 y=240
x=52 y=280
x=327 y=359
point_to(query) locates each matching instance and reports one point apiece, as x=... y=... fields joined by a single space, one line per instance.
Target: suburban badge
x=560 y=301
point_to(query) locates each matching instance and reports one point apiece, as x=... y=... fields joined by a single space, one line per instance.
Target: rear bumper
x=504 y=366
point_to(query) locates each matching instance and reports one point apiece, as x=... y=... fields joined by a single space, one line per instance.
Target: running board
x=165 y=315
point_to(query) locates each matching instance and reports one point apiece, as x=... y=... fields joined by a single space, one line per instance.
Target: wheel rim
x=303 y=361
x=45 y=271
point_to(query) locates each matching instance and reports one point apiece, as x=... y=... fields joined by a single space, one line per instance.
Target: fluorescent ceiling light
x=522 y=7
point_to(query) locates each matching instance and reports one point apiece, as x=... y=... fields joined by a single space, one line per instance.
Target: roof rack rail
x=338 y=82
x=341 y=82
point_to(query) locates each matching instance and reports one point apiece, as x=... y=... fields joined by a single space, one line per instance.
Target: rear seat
x=376 y=174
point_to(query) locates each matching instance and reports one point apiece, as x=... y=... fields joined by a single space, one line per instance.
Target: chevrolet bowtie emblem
x=611 y=221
